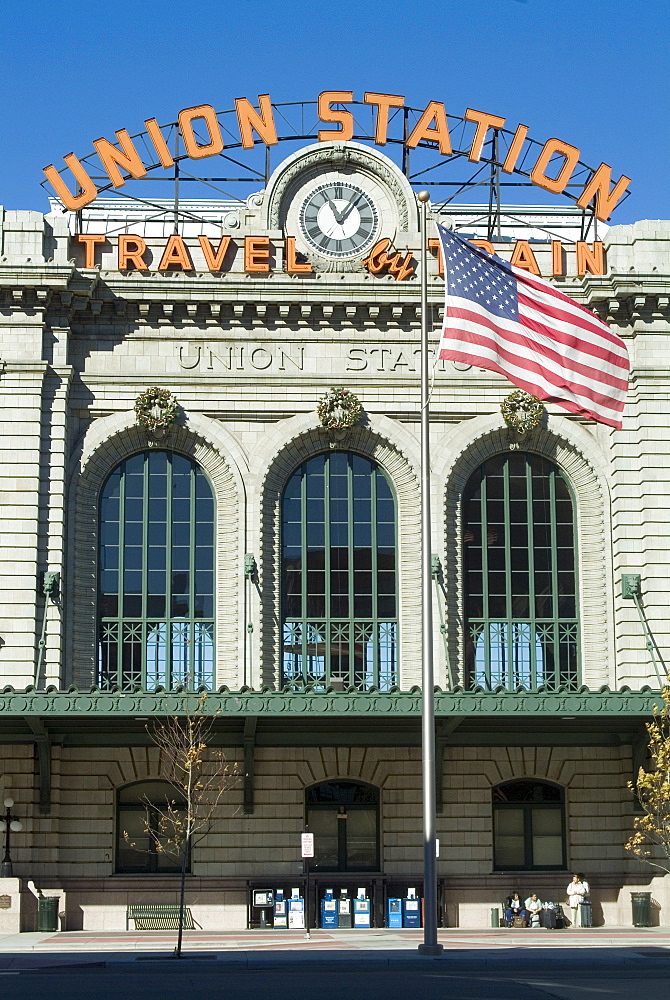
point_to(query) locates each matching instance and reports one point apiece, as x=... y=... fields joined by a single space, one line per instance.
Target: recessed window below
x=528 y=826
x=148 y=821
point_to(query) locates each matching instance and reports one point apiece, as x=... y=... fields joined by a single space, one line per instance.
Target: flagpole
x=430 y=945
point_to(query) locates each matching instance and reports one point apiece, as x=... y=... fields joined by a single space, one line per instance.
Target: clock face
x=338 y=219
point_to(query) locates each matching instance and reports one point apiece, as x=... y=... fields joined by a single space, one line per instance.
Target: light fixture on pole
x=8 y=824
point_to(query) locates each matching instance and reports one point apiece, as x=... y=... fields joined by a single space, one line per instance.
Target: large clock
x=338 y=218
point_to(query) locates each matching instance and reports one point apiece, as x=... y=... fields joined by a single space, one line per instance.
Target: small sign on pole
x=307 y=843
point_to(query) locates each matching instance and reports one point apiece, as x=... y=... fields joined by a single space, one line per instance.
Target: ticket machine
x=344 y=909
x=329 y=911
x=411 y=909
x=394 y=913
x=296 y=909
x=280 y=913
x=362 y=909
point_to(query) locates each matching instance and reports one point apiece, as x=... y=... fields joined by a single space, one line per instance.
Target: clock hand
x=346 y=211
x=337 y=215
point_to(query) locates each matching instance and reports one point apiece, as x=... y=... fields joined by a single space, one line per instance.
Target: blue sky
x=591 y=72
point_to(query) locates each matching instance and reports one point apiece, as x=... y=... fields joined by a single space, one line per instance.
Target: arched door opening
x=344 y=818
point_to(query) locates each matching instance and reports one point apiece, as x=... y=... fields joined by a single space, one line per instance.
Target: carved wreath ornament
x=338 y=410
x=156 y=410
x=521 y=411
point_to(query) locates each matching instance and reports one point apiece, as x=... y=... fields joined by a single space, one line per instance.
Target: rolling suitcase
x=548 y=917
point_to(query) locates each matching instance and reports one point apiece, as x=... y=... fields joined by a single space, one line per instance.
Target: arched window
x=156 y=574
x=519 y=570
x=144 y=837
x=339 y=582
x=344 y=818
x=528 y=826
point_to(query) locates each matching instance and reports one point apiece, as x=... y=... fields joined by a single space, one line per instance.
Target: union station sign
x=554 y=166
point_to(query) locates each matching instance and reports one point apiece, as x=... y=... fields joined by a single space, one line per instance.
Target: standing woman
x=578 y=890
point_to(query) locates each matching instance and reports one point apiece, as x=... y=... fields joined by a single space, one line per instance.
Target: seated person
x=534 y=908
x=514 y=908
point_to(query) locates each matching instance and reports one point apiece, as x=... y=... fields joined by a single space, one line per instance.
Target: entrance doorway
x=344 y=818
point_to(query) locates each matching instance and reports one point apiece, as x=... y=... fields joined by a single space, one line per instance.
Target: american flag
x=504 y=319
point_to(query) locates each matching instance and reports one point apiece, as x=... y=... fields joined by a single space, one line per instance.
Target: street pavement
x=587 y=964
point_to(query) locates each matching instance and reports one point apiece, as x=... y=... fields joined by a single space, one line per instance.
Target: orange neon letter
x=194 y=148
x=591 y=260
x=213 y=260
x=557 y=268
x=484 y=123
x=328 y=114
x=483 y=245
x=383 y=103
x=524 y=257
x=439 y=133
x=164 y=155
x=112 y=158
x=131 y=249
x=263 y=123
x=551 y=148
x=176 y=255
x=599 y=185
x=436 y=247
x=89 y=240
x=88 y=189
x=294 y=266
x=256 y=254
x=514 y=150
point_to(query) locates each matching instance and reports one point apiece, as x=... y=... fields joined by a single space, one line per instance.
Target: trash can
x=47 y=913
x=495 y=916
x=641 y=908
x=586 y=914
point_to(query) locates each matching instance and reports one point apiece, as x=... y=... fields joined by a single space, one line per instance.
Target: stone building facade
x=305 y=625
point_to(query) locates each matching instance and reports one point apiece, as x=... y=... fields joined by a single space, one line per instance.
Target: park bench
x=158 y=917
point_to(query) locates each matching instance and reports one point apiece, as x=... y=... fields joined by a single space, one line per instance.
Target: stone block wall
x=76 y=844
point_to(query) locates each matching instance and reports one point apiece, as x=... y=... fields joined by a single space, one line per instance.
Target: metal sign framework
x=449 y=178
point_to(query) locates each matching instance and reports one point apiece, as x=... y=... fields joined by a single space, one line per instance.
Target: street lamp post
x=430 y=944
x=8 y=824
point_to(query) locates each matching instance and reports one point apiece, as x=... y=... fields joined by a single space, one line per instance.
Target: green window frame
x=339 y=575
x=344 y=818
x=520 y=575
x=528 y=826
x=143 y=828
x=156 y=575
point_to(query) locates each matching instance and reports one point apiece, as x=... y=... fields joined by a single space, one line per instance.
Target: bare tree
x=200 y=775
x=651 y=839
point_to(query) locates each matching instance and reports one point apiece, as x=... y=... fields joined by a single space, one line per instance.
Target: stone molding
x=574 y=450
x=110 y=440
x=308 y=440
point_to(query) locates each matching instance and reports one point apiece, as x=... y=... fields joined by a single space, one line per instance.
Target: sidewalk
x=40 y=950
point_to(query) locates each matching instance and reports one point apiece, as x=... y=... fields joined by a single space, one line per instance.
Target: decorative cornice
x=249 y=312
x=266 y=702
